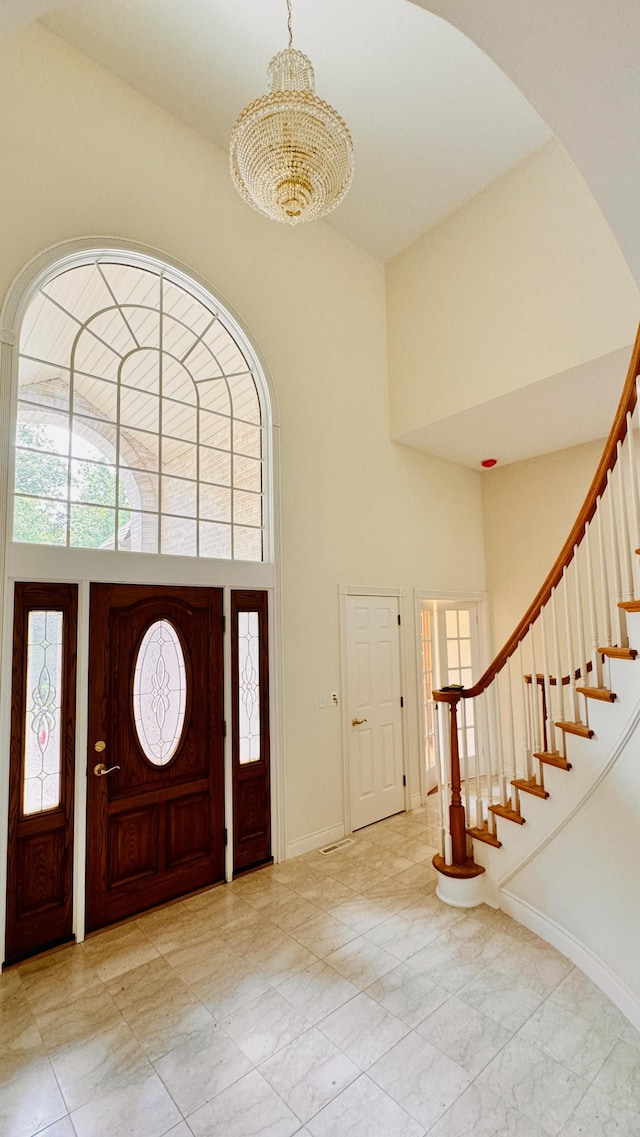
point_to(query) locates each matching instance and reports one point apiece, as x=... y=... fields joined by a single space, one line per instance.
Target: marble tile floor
x=332 y=996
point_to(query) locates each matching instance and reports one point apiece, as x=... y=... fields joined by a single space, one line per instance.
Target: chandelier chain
x=289 y=23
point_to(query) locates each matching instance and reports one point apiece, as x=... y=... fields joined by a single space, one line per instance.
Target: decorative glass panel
x=43 y=748
x=249 y=683
x=159 y=693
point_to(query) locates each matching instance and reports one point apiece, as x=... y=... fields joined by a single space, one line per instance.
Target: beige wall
x=83 y=154
x=524 y=282
x=529 y=508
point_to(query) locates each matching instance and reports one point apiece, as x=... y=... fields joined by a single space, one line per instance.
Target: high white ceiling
x=434 y=121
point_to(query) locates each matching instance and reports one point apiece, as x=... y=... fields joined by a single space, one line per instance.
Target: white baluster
x=635 y=495
x=580 y=620
x=437 y=742
x=538 y=721
x=615 y=538
x=497 y=718
x=573 y=697
x=477 y=730
x=623 y=533
x=550 y=736
x=483 y=763
x=511 y=720
x=526 y=718
x=604 y=575
x=464 y=754
x=596 y=659
x=557 y=663
x=492 y=798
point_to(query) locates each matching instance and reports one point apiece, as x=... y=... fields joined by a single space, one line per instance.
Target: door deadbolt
x=100 y=746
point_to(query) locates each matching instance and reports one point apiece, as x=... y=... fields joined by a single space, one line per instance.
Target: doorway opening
x=451 y=633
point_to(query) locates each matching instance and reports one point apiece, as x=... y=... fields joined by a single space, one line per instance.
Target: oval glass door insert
x=159 y=692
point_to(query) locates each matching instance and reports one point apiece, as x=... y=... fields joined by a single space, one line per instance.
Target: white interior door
x=375 y=756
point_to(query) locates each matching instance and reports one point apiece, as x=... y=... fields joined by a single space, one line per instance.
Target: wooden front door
x=155 y=806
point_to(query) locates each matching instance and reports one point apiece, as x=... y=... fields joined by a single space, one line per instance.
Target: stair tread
x=629 y=605
x=553 y=758
x=508 y=812
x=579 y=728
x=603 y=694
x=484 y=835
x=618 y=652
x=530 y=786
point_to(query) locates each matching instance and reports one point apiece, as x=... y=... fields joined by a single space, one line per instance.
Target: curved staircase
x=553 y=715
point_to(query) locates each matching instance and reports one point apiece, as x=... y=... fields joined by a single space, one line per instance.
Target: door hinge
x=402 y=701
x=226 y=837
x=399 y=618
x=404 y=779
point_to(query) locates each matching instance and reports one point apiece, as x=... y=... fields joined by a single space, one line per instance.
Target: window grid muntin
x=78 y=409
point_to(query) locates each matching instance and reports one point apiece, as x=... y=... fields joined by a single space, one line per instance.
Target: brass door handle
x=357 y=722
x=100 y=770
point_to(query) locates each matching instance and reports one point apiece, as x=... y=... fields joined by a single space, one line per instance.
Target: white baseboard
x=315 y=840
x=583 y=957
x=416 y=801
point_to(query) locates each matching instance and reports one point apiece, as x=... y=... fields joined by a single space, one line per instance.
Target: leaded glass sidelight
x=139 y=419
x=42 y=745
x=249 y=687
x=159 y=693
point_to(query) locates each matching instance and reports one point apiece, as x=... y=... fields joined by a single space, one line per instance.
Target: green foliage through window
x=80 y=491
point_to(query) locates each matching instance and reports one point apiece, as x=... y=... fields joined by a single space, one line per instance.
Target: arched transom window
x=139 y=422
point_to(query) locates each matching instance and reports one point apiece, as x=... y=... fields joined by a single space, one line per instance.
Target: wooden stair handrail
x=598 y=485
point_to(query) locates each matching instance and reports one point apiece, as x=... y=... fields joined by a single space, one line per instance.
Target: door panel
x=42 y=758
x=155 y=821
x=374 y=709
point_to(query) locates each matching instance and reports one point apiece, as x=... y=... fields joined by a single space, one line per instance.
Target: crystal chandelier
x=291 y=153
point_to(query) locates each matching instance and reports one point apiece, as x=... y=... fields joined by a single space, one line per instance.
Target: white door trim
x=347 y=590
